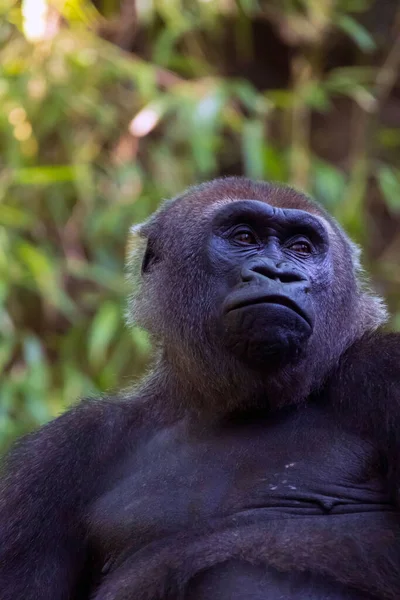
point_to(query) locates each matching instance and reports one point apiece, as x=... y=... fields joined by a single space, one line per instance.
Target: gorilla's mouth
x=235 y=304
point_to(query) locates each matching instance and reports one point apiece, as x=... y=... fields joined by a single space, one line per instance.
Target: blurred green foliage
x=92 y=136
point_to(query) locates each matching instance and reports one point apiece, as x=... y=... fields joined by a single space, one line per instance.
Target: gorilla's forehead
x=204 y=200
x=191 y=211
x=262 y=212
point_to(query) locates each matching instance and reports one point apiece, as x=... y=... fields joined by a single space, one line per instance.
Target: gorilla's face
x=271 y=265
x=250 y=290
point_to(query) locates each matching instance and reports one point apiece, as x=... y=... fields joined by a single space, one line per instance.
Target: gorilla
x=259 y=457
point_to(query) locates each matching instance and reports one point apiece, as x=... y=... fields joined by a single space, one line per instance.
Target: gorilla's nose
x=277 y=270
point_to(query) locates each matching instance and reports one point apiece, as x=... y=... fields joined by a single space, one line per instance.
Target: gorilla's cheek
x=262 y=333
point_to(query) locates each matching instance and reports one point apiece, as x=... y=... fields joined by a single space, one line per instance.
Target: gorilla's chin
x=266 y=334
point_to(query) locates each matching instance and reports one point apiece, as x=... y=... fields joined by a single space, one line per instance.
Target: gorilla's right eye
x=244 y=236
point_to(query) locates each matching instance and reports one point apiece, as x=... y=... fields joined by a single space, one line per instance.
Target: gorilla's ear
x=141 y=234
x=150 y=257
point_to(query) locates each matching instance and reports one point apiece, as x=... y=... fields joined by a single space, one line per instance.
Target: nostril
x=247 y=274
x=287 y=277
x=276 y=271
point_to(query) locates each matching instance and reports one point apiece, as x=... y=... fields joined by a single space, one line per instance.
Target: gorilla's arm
x=49 y=478
x=366 y=390
x=164 y=568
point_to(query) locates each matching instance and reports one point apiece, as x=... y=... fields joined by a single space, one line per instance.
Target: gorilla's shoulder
x=376 y=353
x=365 y=387
x=94 y=427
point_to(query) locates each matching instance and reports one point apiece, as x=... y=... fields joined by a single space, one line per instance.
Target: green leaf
x=275 y=164
x=10 y=216
x=389 y=137
x=283 y=99
x=353 y=5
x=396 y=322
x=253 y=147
x=141 y=340
x=357 y=32
x=6 y=349
x=45 y=274
x=315 y=96
x=247 y=94
x=204 y=123
x=104 y=328
x=389 y=183
x=44 y=175
x=33 y=351
x=329 y=183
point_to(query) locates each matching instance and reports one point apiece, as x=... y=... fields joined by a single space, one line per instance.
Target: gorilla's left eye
x=301 y=247
x=244 y=236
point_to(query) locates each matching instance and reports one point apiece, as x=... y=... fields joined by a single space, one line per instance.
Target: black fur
x=260 y=455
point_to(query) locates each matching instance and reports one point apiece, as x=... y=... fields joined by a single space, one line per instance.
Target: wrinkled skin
x=258 y=459
x=269 y=275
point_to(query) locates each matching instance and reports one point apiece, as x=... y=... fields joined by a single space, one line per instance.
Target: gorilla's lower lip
x=272 y=299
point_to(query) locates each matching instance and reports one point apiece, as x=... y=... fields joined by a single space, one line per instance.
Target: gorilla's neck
x=225 y=386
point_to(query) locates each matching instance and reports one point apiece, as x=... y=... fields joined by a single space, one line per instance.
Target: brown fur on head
x=173 y=299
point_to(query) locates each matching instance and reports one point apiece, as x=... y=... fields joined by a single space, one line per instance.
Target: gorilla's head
x=250 y=291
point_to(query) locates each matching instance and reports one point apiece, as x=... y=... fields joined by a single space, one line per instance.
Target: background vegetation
x=108 y=107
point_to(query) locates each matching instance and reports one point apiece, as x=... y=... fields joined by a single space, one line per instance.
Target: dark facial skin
x=267 y=260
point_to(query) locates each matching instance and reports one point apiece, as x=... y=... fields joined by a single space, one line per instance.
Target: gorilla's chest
x=297 y=465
